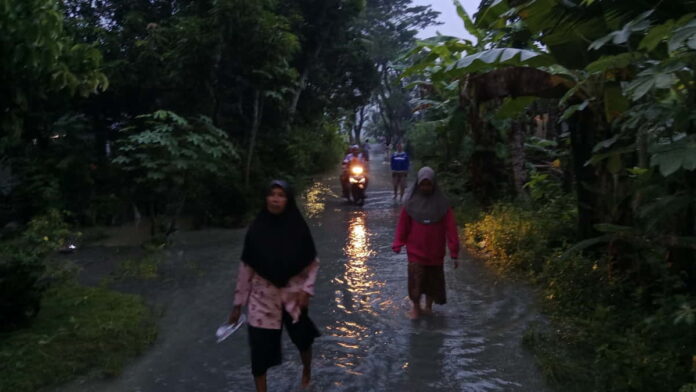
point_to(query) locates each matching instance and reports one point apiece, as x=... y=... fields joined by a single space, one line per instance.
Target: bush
x=20 y=288
x=314 y=150
x=22 y=269
x=519 y=238
x=614 y=330
x=603 y=326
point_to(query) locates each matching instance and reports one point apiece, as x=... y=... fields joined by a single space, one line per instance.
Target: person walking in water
x=426 y=225
x=276 y=278
x=399 y=166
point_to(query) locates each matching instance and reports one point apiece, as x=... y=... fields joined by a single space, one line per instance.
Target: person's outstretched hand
x=303 y=299
x=396 y=249
x=234 y=315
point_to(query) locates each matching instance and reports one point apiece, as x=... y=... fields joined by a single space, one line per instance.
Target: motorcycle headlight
x=357 y=170
x=353 y=180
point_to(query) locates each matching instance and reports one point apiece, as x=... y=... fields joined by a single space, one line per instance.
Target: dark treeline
x=115 y=110
x=149 y=110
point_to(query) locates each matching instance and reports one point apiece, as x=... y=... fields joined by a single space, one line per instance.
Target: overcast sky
x=452 y=25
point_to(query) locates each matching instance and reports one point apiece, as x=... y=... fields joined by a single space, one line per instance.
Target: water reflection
x=315 y=199
x=358 y=278
x=358 y=245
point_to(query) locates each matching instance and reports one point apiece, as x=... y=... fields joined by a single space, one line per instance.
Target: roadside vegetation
x=565 y=134
x=160 y=114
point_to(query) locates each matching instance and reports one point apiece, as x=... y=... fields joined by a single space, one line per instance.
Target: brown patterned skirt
x=428 y=280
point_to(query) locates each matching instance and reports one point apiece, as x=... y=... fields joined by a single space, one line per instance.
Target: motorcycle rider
x=355 y=157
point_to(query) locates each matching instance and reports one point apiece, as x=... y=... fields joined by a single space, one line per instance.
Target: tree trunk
x=305 y=72
x=582 y=141
x=296 y=95
x=172 y=225
x=484 y=164
x=258 y=112
x=519 y=173
x=359 y=122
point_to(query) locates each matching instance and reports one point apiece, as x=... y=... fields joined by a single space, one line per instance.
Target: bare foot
x=306 y=378
x=413 y=314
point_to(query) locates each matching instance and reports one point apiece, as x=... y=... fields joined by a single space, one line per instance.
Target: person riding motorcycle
x=355 y=157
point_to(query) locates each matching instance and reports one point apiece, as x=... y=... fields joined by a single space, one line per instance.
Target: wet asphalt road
x=471 y=344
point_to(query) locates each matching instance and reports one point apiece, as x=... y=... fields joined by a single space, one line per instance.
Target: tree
x=169 y=160
x=391 y=27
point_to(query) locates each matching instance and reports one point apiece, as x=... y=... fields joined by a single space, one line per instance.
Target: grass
x=79 y=330
x=145 y=267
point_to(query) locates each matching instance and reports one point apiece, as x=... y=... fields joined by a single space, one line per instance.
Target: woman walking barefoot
x=426 y=225
x=276 y=278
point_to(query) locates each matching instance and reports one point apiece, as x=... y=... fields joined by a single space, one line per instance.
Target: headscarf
x=278 y=247
x=426 y=209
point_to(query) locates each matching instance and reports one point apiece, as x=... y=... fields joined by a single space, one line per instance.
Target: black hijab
x=279 y=247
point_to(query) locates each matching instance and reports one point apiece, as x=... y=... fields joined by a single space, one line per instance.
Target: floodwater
x=473 y=343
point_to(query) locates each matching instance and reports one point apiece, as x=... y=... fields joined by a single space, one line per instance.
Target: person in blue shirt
x=399 y=166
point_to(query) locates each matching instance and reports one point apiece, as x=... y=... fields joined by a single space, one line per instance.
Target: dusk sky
x=452 y=25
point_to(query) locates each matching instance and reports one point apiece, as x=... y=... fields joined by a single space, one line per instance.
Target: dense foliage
x=23 y=273
x=277 y=81
x=583 y=112
x=120 y=111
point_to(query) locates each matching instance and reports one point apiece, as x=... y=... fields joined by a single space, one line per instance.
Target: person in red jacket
x=426 y=225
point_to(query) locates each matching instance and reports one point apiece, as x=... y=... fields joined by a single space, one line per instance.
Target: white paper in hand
x=225 y=330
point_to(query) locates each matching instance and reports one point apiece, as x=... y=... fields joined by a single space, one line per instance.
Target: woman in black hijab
x=276 y=278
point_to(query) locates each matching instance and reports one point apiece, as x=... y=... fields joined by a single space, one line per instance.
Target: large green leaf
x=487 y=16
x=656 y=35
x=619 y=37
x=570 y=111
x=500 y=57
x=582 y=245
x=672 y=156
x=653 y=78
x=513 y=107
x=604 y=144
x=663 y=32
x=468 y=23
x=685 y=35
x=618 y=61
x=664 y=209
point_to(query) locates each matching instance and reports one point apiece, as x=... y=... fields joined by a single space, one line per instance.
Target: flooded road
x=471 y=344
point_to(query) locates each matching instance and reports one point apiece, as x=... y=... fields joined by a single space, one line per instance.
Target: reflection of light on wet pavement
x=358 y=248
x=315 y=199
x=358 y=278
x=348 y=337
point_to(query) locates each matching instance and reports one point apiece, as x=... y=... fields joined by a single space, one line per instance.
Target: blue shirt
x=400 y=162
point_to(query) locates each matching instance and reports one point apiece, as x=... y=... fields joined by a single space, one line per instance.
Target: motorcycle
x=357 y=179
